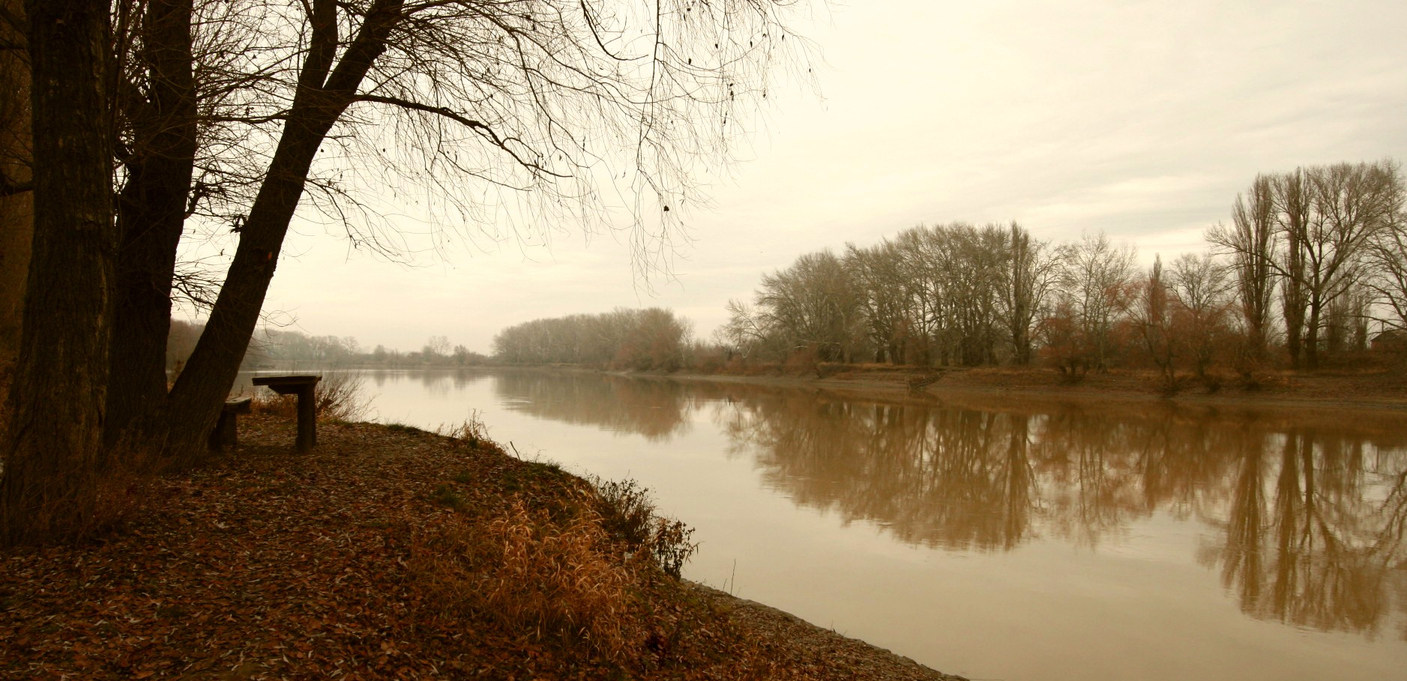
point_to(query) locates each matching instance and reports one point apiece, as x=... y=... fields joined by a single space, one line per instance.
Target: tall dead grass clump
x=530 y=573
x=471 y=432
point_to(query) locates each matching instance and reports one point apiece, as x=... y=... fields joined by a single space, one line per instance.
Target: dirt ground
x=385 y=553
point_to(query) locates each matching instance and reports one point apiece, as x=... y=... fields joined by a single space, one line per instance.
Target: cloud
x=1141 y=119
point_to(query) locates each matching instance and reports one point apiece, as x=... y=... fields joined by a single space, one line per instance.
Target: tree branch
x=10 y=188
x=322 y=46
x=478 y=127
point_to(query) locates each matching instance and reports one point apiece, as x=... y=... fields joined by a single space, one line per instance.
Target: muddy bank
x=1373 y=390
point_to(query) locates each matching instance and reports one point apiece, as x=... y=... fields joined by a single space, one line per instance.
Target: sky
x=1143 y=120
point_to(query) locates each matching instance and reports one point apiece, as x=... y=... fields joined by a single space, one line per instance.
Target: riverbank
x=1372 y=388
x=387 y=552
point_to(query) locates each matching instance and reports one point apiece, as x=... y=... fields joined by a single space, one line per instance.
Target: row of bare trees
x=158 y=123
x=1330 y=241
x=950 y=294
x=1312 y=262
x=643 y=340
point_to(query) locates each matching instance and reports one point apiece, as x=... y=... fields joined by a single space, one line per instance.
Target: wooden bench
x=302 y=386
x=226 y=433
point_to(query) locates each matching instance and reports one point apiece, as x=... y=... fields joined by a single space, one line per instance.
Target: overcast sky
x=1141 y=119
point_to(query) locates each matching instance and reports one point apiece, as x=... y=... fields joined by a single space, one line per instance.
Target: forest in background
x=1309 y=272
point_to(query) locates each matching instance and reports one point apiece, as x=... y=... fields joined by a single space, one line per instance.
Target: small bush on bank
x=447 y=496
x=628 y=514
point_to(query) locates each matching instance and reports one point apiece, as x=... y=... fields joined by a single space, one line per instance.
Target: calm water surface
x=1039 y=541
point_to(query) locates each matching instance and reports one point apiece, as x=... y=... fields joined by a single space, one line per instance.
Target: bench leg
x=307 y=420
x=226 y=433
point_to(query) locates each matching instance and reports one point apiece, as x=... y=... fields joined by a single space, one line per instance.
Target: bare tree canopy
x=1322 y=232
x=506 y=118
x=477 y=107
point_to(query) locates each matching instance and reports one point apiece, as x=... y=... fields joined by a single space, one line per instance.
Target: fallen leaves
x=270 y=564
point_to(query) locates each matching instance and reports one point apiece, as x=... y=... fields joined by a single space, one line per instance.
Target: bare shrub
x=626 y=510
x=471 y=432
x=628 y=514
x=339 y=396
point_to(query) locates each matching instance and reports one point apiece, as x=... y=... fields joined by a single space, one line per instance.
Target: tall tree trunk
x=323 y=94
x=1292 y=299
x=1311 y=333
x=1252 y=243
x=1022 y=263
x=16 y=202
x=1294 y=291
x=53 y=444
x=206 y=379
x=151 y=211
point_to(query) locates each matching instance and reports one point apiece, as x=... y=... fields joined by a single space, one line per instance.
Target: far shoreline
x=1376 y=390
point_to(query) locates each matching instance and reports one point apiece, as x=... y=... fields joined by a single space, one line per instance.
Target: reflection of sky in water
x=1031 y=542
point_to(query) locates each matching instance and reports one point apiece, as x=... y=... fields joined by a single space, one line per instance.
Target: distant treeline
x=278 y=349
x=1311 y=269
x=641 y=340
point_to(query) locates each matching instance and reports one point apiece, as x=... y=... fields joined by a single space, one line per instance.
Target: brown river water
x=997 y=538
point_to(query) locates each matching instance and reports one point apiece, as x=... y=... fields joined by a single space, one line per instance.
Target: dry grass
x=339 y=396
x=524 y=571
x=471 y=431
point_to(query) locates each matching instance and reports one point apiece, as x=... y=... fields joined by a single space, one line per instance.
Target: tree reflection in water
x=1307 y=515
x=1315 y=529
x=1310 y=521
x=653 y=408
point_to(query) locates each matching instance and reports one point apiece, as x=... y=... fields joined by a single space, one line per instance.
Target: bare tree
x=1349 y=204
x=644 y=340
x=1030 y=275
x=1346 y=320
x=1199 y=286
x=812 y=306
x=1326 y=222
x=1387 y=256
x=1095 y=284
x=1293 y=198
x=1154 y=315
x=1251 y=243
x=527 y=103
x=436 y=347
x=1354 y=204
x=744 y=332
x=876 y=272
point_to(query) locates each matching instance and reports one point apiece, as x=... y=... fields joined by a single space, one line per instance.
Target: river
x=998 y=538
